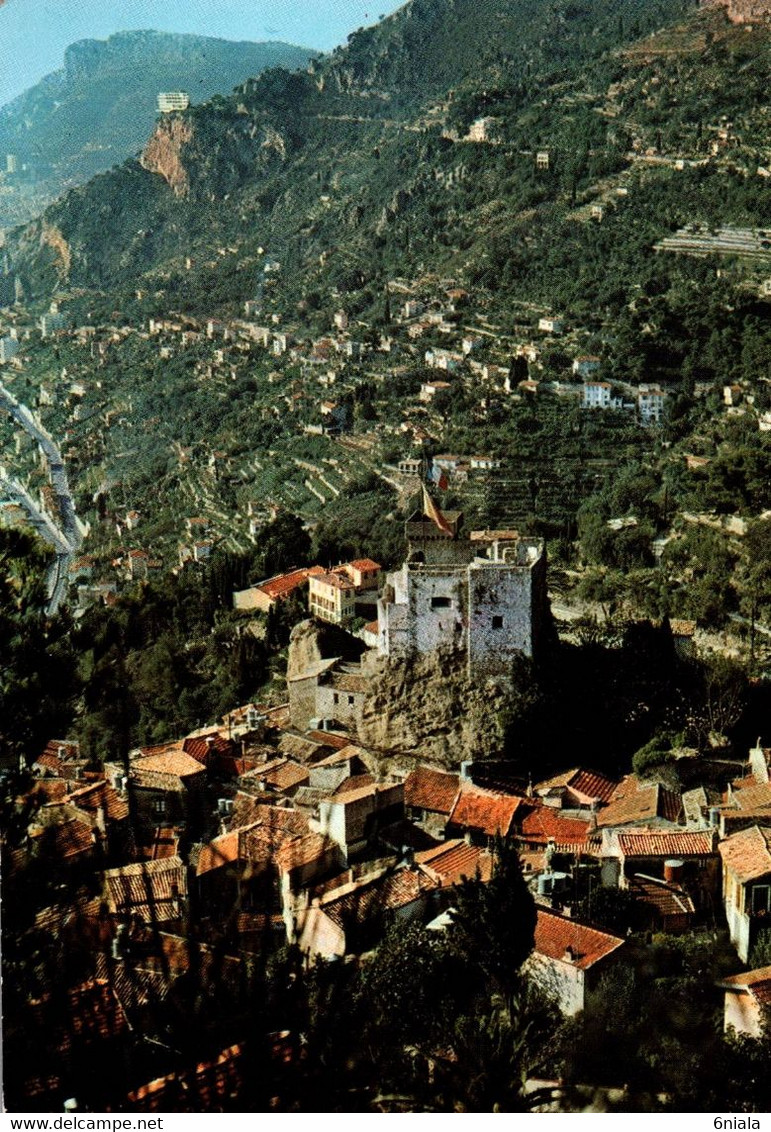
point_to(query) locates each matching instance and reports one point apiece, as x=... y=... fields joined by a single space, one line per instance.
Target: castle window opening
x=441 y=603
x=497 y=622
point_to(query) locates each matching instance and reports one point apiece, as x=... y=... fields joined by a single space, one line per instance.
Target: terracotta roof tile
x=635 y=801
x=757 y=982
x=432 y=790
x=543 y=824
x=170 y=770
x=303 y=850
x=455 y=860
x=665 y=899
x=364 y=564
x=554 y=934
x=286 y=776
x=68 y=841
x=285 y=584
x=357 y=903
x=100 y=795
x=210 y=1086
x=584 y=786
x=149 y=889
x=483 y=810
x=662 y=843
x=354 y=782
x=747 y=854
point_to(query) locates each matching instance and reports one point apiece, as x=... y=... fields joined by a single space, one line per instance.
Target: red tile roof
x=554 y=934
x=202 y=747
x=149 y=889
x=757 y=982
x=364 y=564
x=662 y=843
x=361 y=901
x=210 y=1086
x=432 y=790
x=100 y=795
x=302 y=851
x=747 y=854
x=286 y=776
x=170 y=769
x=667 y=900
x=69 y=841
x=285 y=584
x=455 y=860
x=542 y=824
x=484 y=810
x=636 y=801
x=354 y=782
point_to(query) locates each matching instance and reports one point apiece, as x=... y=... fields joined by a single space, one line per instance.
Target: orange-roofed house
x=746 y=860
x=635 y=802
x=166 y=787
x=569 y=958
x=351 y=918
x=363 y=573
x=266 y=595
x=576 y=789
x=429 y=796
x=537 y=825
x=482 y=815
x=352 y=818
x=747 y=999
x=332 y=598
x=682 y=857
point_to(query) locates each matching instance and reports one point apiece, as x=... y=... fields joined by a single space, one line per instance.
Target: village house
x=332 y=597
x=636 y=802
x=651 y=401
x=746 y=1003
x=576 y=789
x=551 y=325
x=586 y=365
x=352 y=818
x=266 y=595
x=429 y=797
x=482 y=815
x=746 y=860
x=353 y=917
x=569 y=959
x=328 y=691
x=154 y=892
x=599 y=395
x=165 y=787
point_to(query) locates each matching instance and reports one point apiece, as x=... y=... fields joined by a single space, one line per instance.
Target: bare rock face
x=428 y=709
x=743 y=11
x=304 y=648
x=52 y=237
x=163 y=153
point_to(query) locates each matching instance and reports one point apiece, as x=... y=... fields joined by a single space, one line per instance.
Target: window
x=350 y=699
x=440 y=603
x=497 y=622
x=159 y=807
x=336 y=698
x=761 y=898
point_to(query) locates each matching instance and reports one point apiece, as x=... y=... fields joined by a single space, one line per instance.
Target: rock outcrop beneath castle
x=429 y=709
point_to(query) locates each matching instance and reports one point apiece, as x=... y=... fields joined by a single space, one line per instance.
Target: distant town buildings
x=171 y=100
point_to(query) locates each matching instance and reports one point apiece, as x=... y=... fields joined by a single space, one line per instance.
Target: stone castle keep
x=480 y=599
x=484 y=594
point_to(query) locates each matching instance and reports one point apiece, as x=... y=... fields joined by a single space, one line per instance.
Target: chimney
x=569 y=955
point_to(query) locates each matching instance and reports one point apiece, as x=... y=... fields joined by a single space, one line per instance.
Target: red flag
x=431 y=510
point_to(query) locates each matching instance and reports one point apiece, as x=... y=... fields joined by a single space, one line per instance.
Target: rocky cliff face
x=429 y=710
x=164 y=155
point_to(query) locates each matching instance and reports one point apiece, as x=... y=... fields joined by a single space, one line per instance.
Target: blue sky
x=34 y=33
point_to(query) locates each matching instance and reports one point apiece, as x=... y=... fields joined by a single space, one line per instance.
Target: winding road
x=65 y=532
